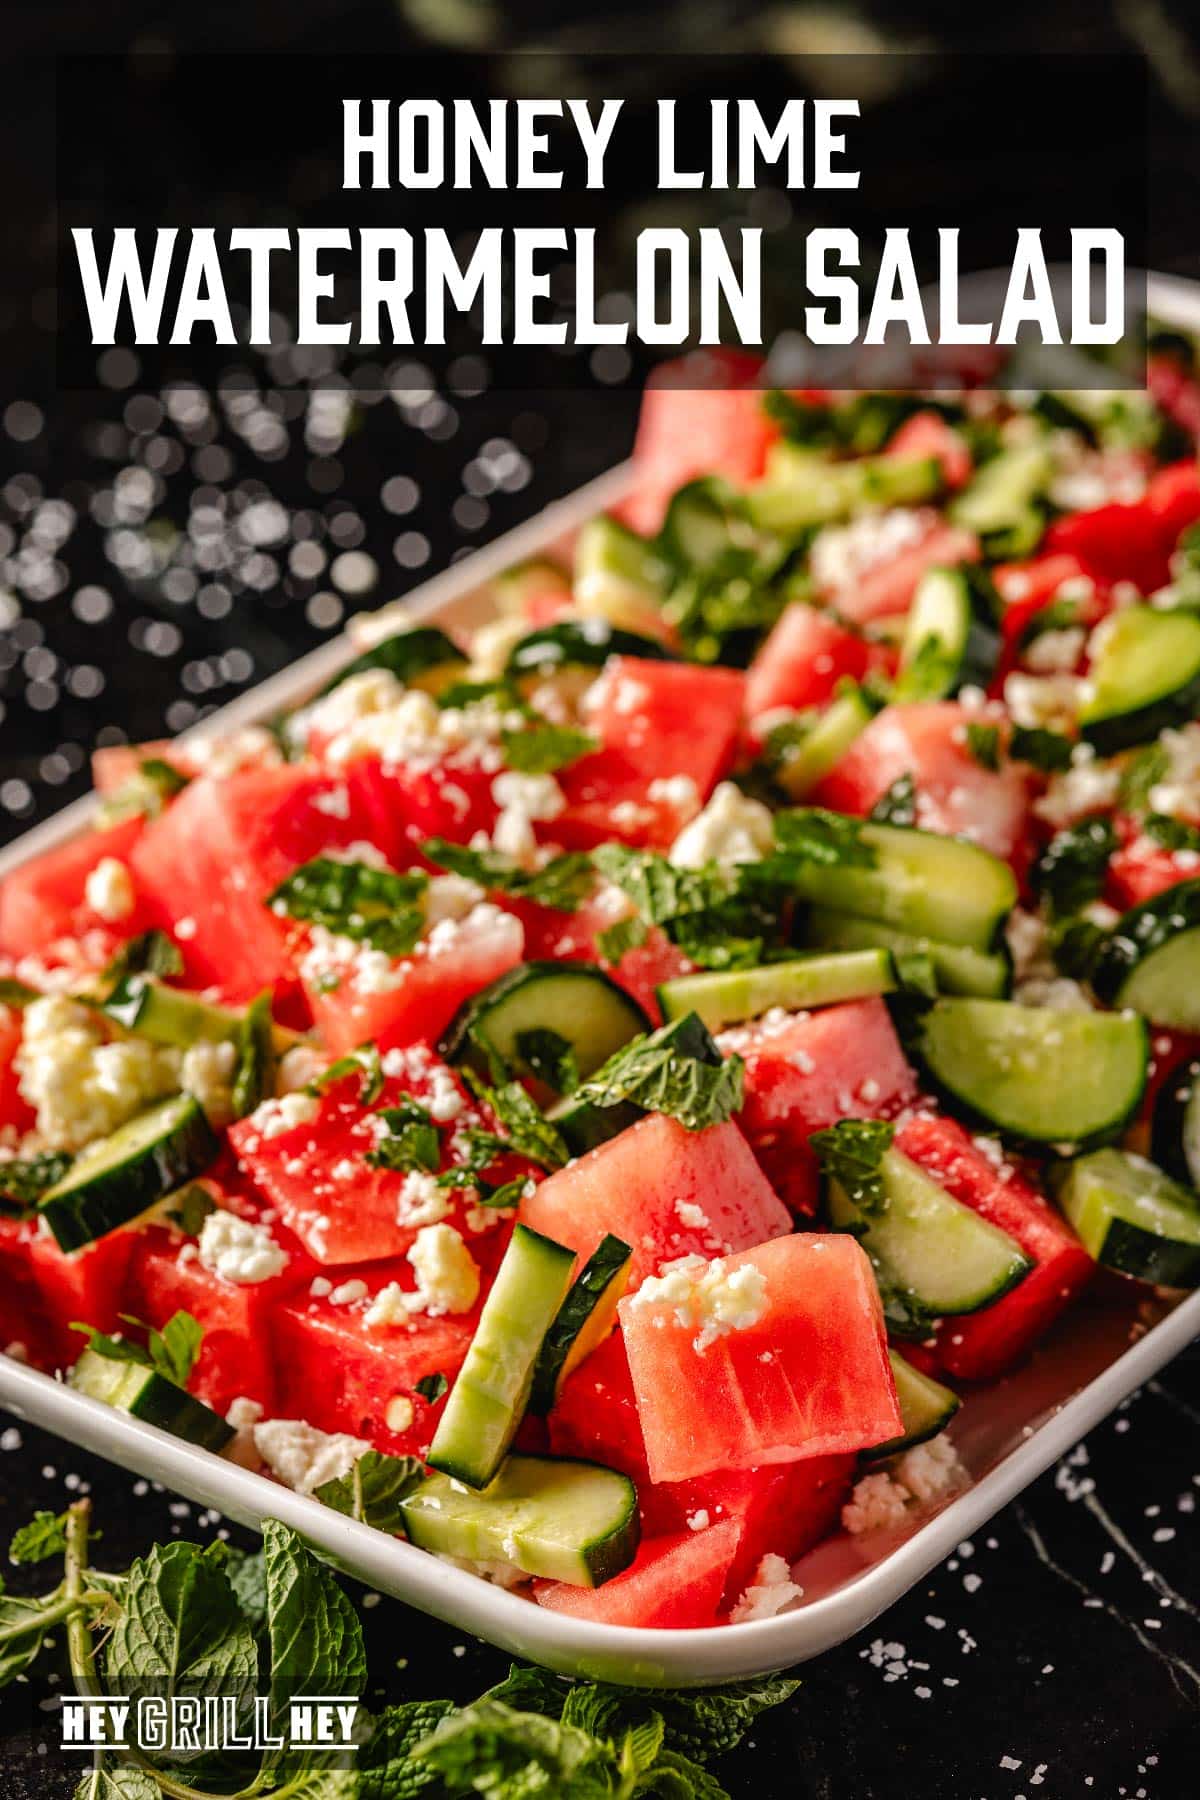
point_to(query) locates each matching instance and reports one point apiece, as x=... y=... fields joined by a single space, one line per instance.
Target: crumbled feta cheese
x=677 y=791
x=335 y=804
x=237 y=1250
x=876 y=1504
x=887 y=1500
x=699 y=1520
x=708 y=1296
x=523 y=801
x=420 y=1200
x=450 y=897
x=842 y=554
x=108 y=890
x=1055 y=652
x=731 y=829
x=1178 y=793
x=348 y=1293
x=414 y=730
x=1087 y=786
x=207 y=1074
x=1052 y=701
x=492 y=645
x=304 y=1458
x=398 y=1413
x=251 y=747
x=389 y=1307
x=80 y=1085
x=447 y=1276
x=358 y=697
x=929 y=1470
x=243 y=1413
x=273 y=1117
x=771 y=1590
x=298 y=1067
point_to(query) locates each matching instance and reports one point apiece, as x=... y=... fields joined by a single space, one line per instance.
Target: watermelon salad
x=596 y=1095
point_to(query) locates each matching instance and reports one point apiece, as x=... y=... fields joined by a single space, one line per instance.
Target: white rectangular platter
x=1006 y=1435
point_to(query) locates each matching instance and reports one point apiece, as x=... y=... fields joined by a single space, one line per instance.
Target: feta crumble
x=81 y=1085
x=108 y=890
x=237 y=1250
x=731 y=829
x=523 y=801
x=888 y=1499
x=447 y=1275
x=420 y=1200
x=207 y=1074
x=771 y=1590
x=301 y=1456
x=707 y=1296
x=273 y=1117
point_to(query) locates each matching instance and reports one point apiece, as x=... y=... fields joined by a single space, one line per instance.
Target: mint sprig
x=654 y=1074
x=357 y=901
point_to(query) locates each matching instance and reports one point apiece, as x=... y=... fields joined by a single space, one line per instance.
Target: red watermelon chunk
x=802 y=661
x=45 y=899
x=886 y=589
x=666 y=1191
x=955 y=794
x=1116 y=542
x=987 y=1343
x=928 y=434
x=87 y=1285
x=806 y=1074
x=783 y=1509
x=315 y=1172
x=1173 y=497
x=14 y=1111
x=807 y=1376
x=672 y=1582
x=572 y=937
x=1140 y=868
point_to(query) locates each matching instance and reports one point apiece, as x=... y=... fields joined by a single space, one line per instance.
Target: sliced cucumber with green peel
x=700 y=526
x=936 y=1253
x=919 y=882
x=527 y=580
x=166 y=1015
x=133 y=1388
x=489 y=1397
x=952 y=639
x=726 y=997
x=578 y=1002
x=580 y=643
x=118 y=1178
x=1133 y=1218
x=1151 y=959
x=1175 y=1131
x=1039 y=1073
x=957 y=968
x=802 y=488
x=421 y=657
x=545 y=1516
x=619 y=574
x=802 y=764
x=999 y=498
x=1145 y=678
x=926 y=1408
x=586 y=1317
x=583 y=1125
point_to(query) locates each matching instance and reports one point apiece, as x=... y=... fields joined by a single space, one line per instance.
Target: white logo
x=189 y=1723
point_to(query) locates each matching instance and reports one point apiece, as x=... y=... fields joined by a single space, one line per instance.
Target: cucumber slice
x=580 y=643
x=586 y=1317
x=1145 y=678
x=926 y=1408
x=115 y=1180
x=803 y=488
x=958 y=968
x=951 y=640
x=1051 y=1076
x=698 y=529
x=1133 y=1218
x=583 y=1125
x=942 y=1258
x=147 y=1395
x=801 y=765
x=489 y=1397
x=544 y=1515
x=1175 y=1131
x=526 y=580
x=166 y=1015
x=920 y=882
x=421 y=657
x=725 y=997
x=620 y=576
x=999 y=497
x=579 y=1002
x=1151 y=960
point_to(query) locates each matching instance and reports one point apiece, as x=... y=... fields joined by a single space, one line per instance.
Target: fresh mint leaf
x=43 y=1537
x=548 y=1056
x=562 y=883
x=189 y=1208
x=1076 y=948
x=1172 y=834
x=490 y=1749
x=720 y=918
x=23 y=1180
x=652 y=1073
x=119 y=1783
x=1046 y=750
x=501 y=693
x=717 y=940
x=386 y=1769
x=116 y=1349
x=354 y=900
x=372 y=1489
x=898 y=806
x=983 y=744
x=254 y=1045
x=174 y=1349
x=313 y=1632
x=626 y=934
x=432 y=1387
x=1145 y=769
x=810 y=834
x=179 y=1630
x=708 y=1722
x=412 y=1141
x=660 y=891
x=851 y=1153
x=676 y=1777
x=150 y=953
x=541 y=749
x=246 y=1573
x=149 y=791
x=24 y=1622
x=1070 y=871
x=529 y=1132
x=365 y=1062
x=16 y=994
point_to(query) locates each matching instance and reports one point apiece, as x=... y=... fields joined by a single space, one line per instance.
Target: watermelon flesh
x=572 y=937
x=45 y=899
x=988 y=1343
x=807 y=1376
x=803 y=660
x=885 y=590
x=928 y=434
x=673 y=1583
x=665 y=1191
x=804 y=1075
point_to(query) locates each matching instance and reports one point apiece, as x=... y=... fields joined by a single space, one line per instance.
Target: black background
x=1044 y=1656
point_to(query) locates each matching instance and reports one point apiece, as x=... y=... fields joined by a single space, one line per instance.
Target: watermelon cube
x=673 y=1582
x=840 y=1062
x=572 y=937
x=14 y=1110
x=807 y=654
x=886 y=588
x=46 y=898
x=802 y=1371
x=988 y=1343
x=87 y=1285
x=666 y=1191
